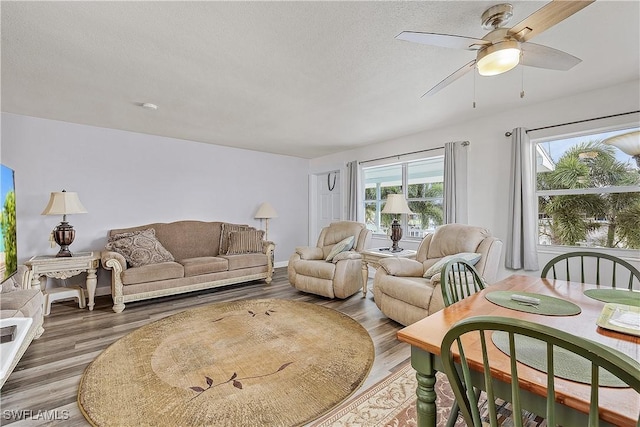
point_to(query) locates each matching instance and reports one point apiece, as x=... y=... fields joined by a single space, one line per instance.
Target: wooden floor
x=42 y=389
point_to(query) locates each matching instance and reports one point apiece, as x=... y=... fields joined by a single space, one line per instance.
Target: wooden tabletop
x=618 y=406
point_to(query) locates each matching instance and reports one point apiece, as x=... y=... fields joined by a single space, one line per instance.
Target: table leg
x=35 y=281
x=426 y=409
x=92 y=280
x=365 y=278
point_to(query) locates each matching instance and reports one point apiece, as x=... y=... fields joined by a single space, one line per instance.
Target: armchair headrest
x=338 y=231
x=452 y=239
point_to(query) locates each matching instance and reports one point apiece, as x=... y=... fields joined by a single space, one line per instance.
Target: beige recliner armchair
x=340 y=277
x=400 y=288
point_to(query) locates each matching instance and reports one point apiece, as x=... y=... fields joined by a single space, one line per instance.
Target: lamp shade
x=498 y=58
x=64 y=203
x=266 y=211
x=396 y=204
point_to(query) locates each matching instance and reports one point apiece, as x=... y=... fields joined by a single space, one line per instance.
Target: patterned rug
x=392 y=403
x=245 y=363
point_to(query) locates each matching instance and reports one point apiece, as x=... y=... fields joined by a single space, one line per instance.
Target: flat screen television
x=8 y=236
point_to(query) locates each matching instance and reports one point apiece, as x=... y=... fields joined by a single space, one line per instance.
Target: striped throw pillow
x=245 y=242
x=227 y=229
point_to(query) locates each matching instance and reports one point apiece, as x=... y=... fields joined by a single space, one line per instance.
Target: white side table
x=63 y=268
x=9 y=350
x=371 y=258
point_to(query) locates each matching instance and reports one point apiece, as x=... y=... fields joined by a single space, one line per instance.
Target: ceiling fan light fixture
x=498 y=58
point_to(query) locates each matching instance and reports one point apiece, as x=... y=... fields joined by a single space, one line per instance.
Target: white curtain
x=353 y=205
x=455 y=182
x=522 y=237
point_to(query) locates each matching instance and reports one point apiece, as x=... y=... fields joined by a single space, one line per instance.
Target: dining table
x=617 y=406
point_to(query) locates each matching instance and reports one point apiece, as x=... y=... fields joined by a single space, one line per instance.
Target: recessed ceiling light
x=149 y=106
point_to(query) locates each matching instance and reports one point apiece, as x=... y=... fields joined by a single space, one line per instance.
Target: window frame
x=404 y=183
x=629 y=254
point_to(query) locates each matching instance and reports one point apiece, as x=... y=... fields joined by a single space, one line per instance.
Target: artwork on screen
x=8 y=237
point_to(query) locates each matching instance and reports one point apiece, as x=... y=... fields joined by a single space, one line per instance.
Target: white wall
x=489 y=151
x=127 y=179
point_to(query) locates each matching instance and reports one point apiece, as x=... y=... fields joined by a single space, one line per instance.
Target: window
x=588 y=193
x=420 y=181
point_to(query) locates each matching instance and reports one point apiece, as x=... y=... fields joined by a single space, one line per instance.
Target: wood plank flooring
x=43 y=388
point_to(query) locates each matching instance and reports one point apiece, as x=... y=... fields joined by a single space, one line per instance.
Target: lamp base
x=63 y=235
x=396 y=235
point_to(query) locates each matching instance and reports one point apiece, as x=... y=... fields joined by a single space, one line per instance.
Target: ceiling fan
x=503 y=48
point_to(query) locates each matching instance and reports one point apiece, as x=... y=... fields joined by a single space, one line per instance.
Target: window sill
x=632 y=255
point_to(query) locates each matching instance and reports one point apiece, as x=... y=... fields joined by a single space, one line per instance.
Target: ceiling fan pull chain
x=522 y=76
x=474 y=86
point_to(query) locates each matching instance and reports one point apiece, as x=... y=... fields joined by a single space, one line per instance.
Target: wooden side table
x=371 y=257
x=63 y=268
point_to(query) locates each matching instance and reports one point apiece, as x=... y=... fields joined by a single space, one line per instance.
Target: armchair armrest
x=308 y=252
x=346 y=255
x=113 y=261
x=402 y=267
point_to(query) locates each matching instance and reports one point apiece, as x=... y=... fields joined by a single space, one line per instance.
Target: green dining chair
x=458 y=280
x=619 y=267
x=456 y=365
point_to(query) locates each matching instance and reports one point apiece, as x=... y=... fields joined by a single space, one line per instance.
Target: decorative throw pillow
x=342 y=246
x=470 y=257
x=139 y=247
x=227 y=229
x=245 y=242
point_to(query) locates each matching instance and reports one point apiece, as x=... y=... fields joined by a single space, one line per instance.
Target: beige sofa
x=342 y=276
x=18 y=299
x=190 y=256
x=404 y=295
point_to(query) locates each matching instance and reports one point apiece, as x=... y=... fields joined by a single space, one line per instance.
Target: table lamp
x=64 y=203
x=396 y=204
x=266 y=211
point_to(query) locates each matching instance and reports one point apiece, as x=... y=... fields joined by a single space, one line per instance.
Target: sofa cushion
x=471 y=257
x=7 y=314
x=237 y=262
x=152 y=273
x=203 y=265
x=25 y=302
x=342 y=246
x=139 y=248
x=245 y=242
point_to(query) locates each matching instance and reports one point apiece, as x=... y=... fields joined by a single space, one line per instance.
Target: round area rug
x=244 y=363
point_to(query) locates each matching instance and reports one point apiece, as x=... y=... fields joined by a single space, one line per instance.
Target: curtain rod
x=464 y=144
x=577 y=121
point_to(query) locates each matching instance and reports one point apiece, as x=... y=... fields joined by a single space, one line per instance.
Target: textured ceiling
x=297 y=78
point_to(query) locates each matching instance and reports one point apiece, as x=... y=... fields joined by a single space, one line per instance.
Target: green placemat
x=570 y=366
x=549 y=306
x=618 y=296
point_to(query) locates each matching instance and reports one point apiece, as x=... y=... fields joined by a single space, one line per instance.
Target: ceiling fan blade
x=545 y=18
x=452 y=78
x=442 y=40
x=537 y=55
